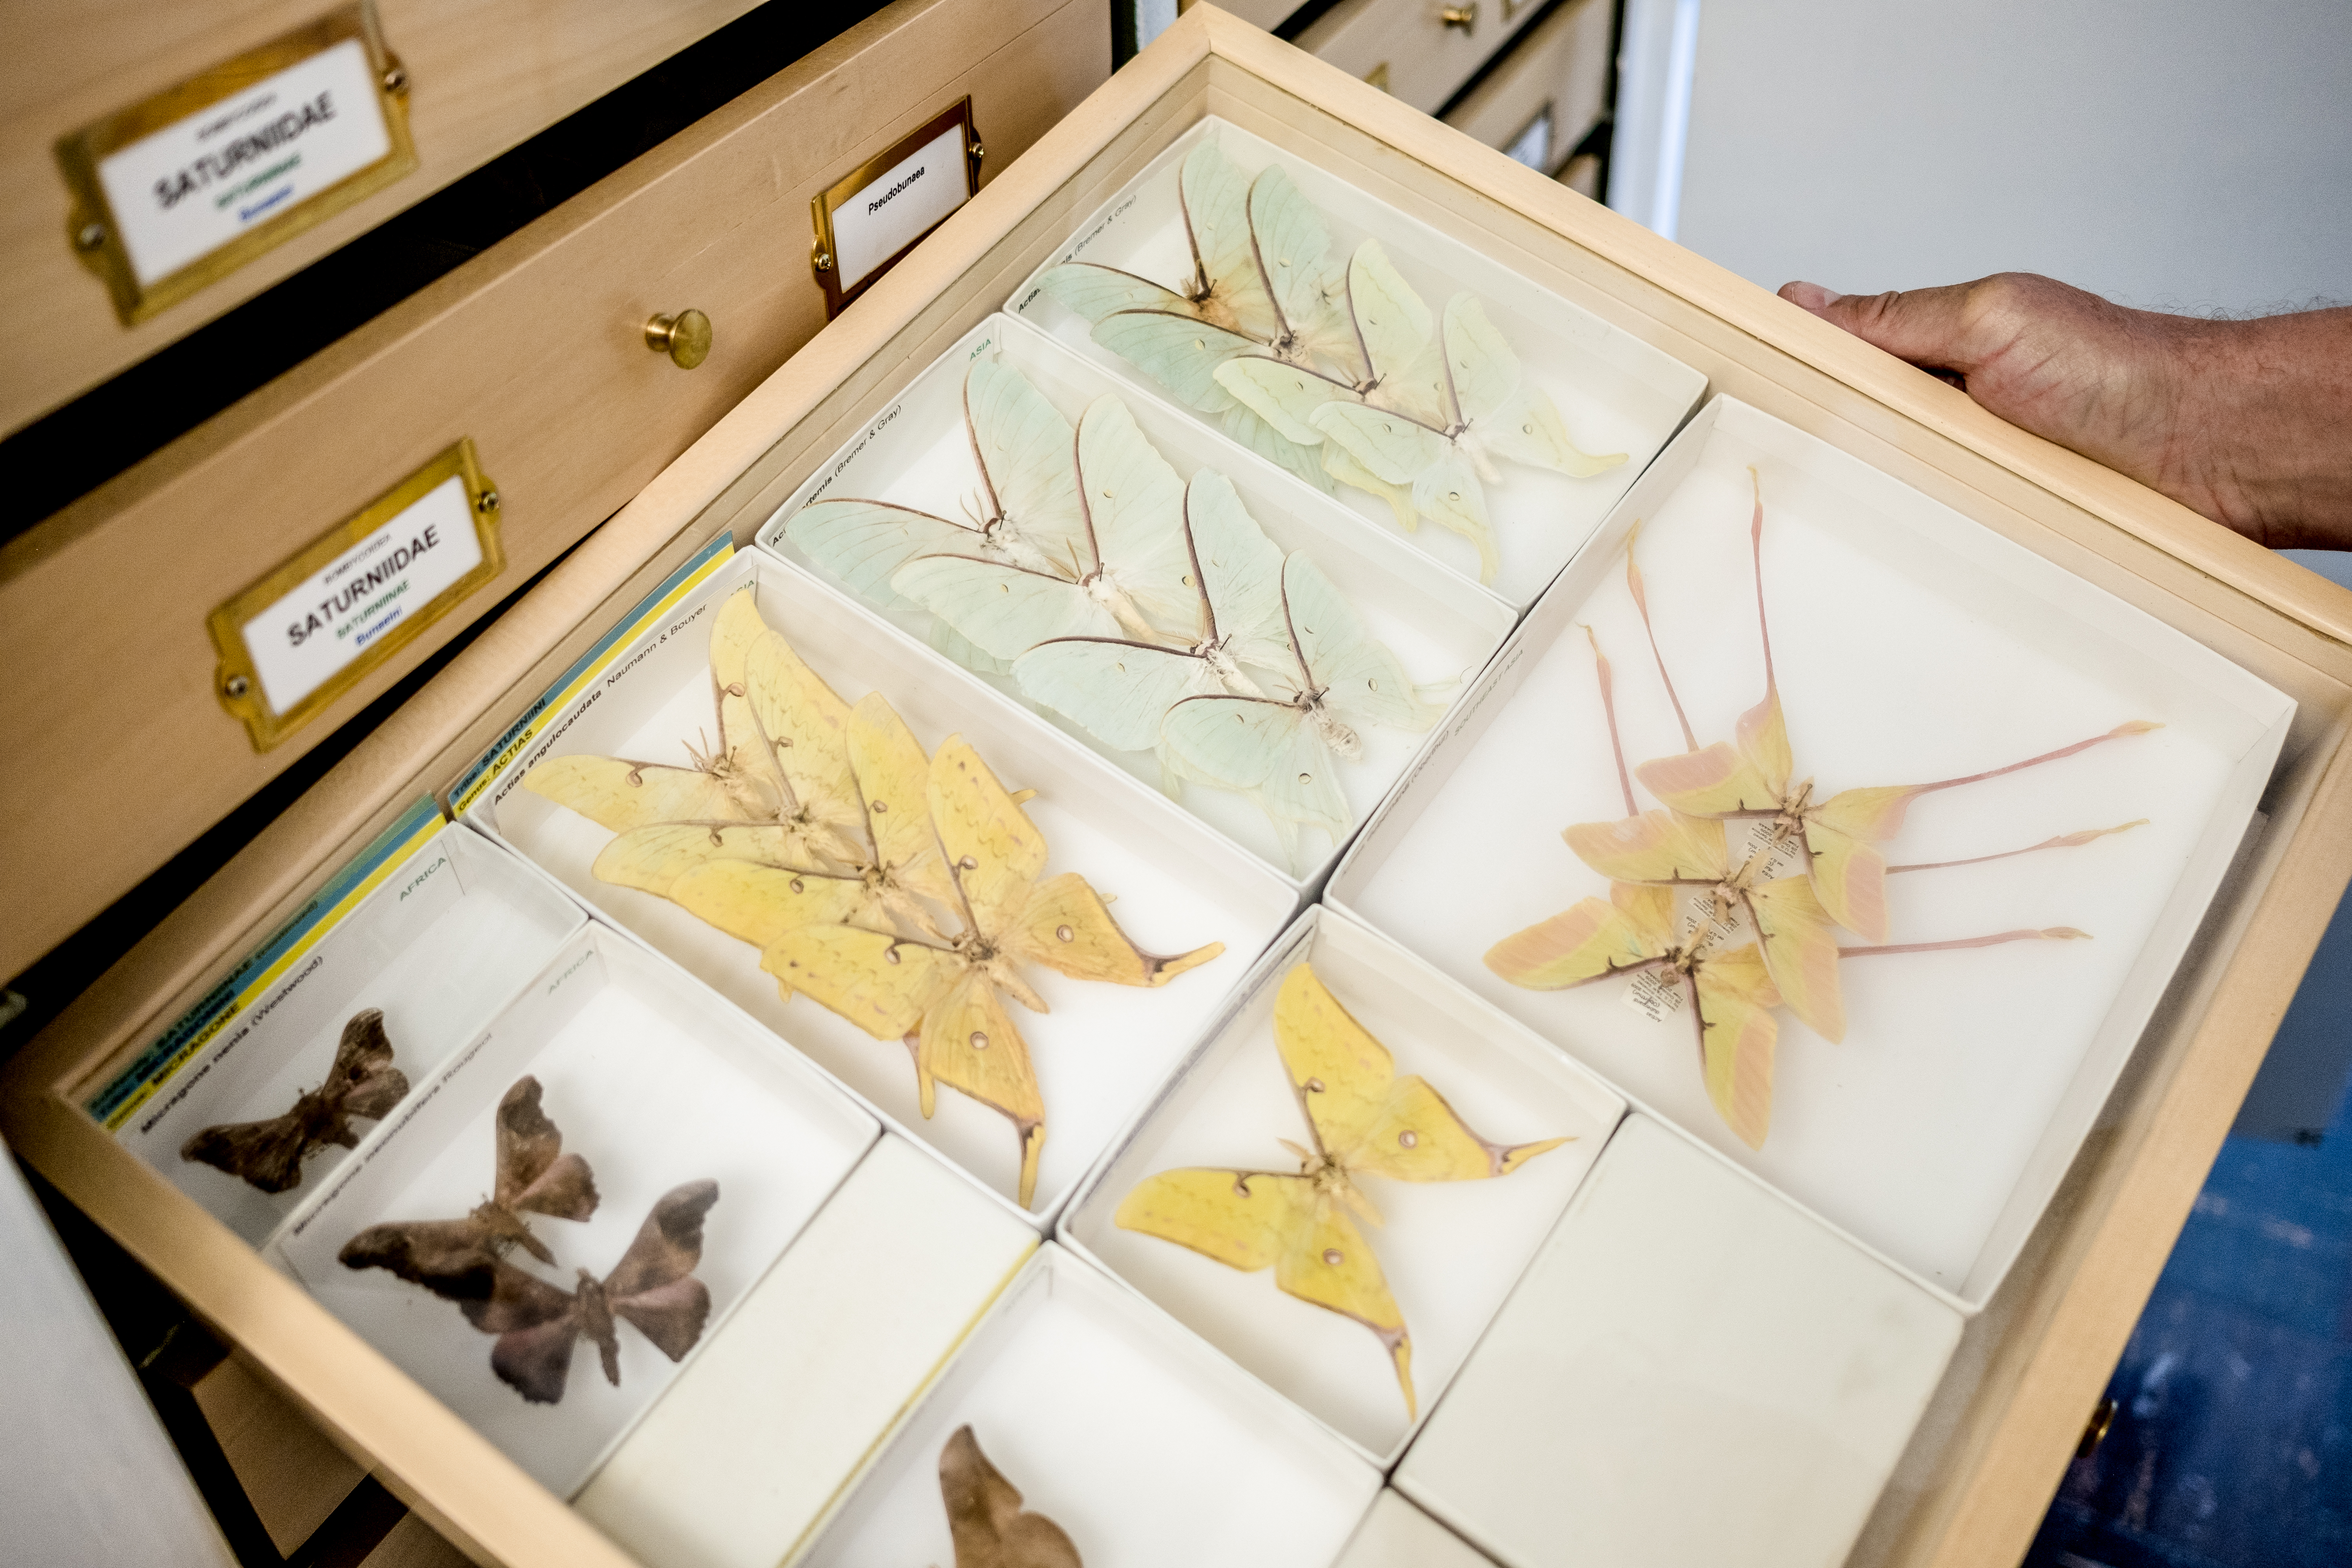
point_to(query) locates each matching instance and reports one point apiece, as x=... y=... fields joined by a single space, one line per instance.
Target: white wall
x=2167 y=155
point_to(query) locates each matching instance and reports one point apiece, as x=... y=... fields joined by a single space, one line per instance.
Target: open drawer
x=2012 y=1405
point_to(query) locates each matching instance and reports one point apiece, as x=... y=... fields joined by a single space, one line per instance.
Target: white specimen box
x=1694 y=1370
x=1101 y=1049
x=1911 y=645
x=826 y=1352
x=1395 y=1534
x=1451 y=1250
x=655 y=1082
x=1145 y=1445
x=917 y=452
x=453 y=926
x=1615 y=392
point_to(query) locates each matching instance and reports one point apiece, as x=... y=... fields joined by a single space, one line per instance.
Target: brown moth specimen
x=984 y=1516
x=452 y=1258
x=654 y=1288
x=269 y=1155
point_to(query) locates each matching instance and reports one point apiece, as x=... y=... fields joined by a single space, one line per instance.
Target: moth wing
x=1243 y=425
x=1329 y=1262
x=893 y=780
x=852 y=972
x=1413 y=1135
x=1736 y=1039
x=1066 y=926
x=862 y=541
x=617 y=793
x=1095 y=291
x=1285 y=396
x=984 y=1515
x=536 y=1362
x=1390 y=445
x=1216 y=198
x=1244 y=1220
x=1656 y=847
x=528 y=1143
x=809 y=724
x=1004 y=609
x=667 y=1244
x=1339 y=1072
x=363 y=1048
x=1117 y=691
x=1363 y=681
x=1449 y=494
x=1233 y=743
x=670 y=1315
x=1484 y=371
x=1343 y=467
x=1590 y=939
x=518 y=1300
x=376 y=1093
x=995 y=851
x=1180 y=353
x=1724 y=778
x=970 y=1043
x=265 y=1154
x=653 y=859
x=1849 y=871
x=1801 y=951
x=1241 y=570
x=1390 y=317
x=1023 y=444
x=1292 y=245
x=758 y=903
x=737 y=626
x=1136 y=504
x=450 y=1258
x=1527 y=427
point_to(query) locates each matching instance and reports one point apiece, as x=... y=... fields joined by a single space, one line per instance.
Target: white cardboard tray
x=1693 y=1371
x=915 y=452
x=454 y=927
x=1102 y=1048
x=655 y=1082
x=826 y=1354
x=1451 y=1250
x=1395 y=1534
x=1616 y=393
x=1911 y=645
x=1147 y=1447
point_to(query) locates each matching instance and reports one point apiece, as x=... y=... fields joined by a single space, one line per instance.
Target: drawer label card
x=868 y=219
x=176 y=192
x=303 y=636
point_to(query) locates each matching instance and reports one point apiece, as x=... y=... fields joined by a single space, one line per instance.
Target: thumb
x=1926 y=326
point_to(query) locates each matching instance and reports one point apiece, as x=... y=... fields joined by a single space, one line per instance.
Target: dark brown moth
x=985 y=1518
x=654 y=1288
x=269 y=1155
x=452 y=1258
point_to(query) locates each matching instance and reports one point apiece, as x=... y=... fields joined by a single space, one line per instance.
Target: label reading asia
x=336 y=613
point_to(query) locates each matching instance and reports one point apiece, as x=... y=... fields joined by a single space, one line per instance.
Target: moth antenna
x=1641 y=603
x=2064 y=841
x=1609 y=707
x=2047 y=933
x=2134 y=727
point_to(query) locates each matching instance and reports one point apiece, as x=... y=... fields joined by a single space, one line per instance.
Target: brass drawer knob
x=1463 y=16
x=685 y=337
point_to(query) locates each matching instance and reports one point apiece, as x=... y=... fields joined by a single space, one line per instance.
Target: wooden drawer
x=2013 y=1407
x=1549 y=91
x=535 y=350
x=481 y=78
x=1408 y=46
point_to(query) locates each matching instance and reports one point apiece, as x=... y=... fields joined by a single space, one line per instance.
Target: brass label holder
x=301 y=637
x=872 y=224
x=265 y=145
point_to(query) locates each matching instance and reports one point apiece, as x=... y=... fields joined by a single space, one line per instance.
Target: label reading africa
x=337 y=613
x=190 y=188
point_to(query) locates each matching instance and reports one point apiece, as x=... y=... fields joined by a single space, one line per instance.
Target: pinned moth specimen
x=945 y=997
x=269 y=1155
x=453 y=1258
x=1364 y=1120
x=985 y=1518
x=654 y=1287
x=1441 y=400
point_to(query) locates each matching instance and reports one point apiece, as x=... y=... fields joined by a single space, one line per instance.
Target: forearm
x=2263 y=439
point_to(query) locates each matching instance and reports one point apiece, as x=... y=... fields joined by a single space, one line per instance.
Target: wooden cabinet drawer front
x=1558 y=72
x=482 y=76
x=536 y=351
x=1425 y=60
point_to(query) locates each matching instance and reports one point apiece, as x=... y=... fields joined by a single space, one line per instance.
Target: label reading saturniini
x=340 y=611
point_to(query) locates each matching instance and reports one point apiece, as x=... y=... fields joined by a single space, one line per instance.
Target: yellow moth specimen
x=945 y=995
x=1365 y=1122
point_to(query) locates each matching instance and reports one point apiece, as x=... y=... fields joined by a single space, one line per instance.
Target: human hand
x=2249 y=422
